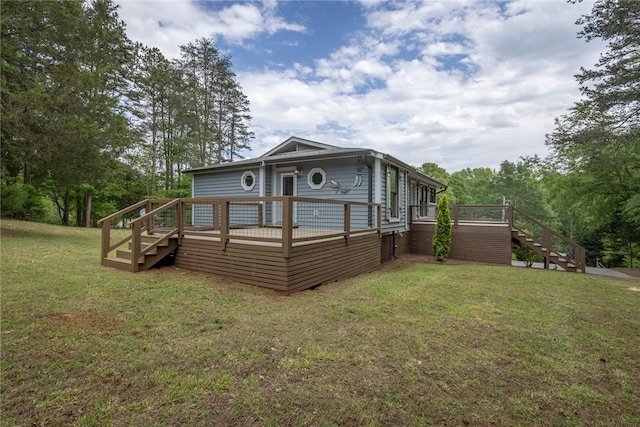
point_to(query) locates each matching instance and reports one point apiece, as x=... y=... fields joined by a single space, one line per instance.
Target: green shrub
x=442 y=236
x=523 y=252
x=20 y=201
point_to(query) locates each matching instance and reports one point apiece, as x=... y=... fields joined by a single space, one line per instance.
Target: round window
x=248 y=180
x=316 y=178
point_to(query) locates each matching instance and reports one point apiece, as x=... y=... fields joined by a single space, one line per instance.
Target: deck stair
x=559 y=259
x=138 y=237
x=556 y=249
x=154 y=249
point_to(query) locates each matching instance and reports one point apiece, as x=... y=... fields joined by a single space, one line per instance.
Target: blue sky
x=459 y=83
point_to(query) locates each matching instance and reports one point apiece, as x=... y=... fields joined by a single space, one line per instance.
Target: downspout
x=394 y=246
x=370 y=198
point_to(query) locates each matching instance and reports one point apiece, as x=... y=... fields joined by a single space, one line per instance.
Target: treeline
x=92 y=122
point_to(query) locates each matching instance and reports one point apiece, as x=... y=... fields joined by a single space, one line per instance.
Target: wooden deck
x=471 y=241
x=485 y=232
x=309 y=263
x=234 y=239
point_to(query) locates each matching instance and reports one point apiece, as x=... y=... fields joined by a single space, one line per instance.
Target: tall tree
x=65 y=78
x=475 y=187
x=217 y=110
x=159 y=84
x=598 y=140
x=519 y=184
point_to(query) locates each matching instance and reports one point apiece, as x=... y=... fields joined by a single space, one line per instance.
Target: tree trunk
x=79 y=215
x=65 y=210
x=27 y=173
x=87 y=209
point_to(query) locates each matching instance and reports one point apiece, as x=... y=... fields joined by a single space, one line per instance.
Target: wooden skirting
x=469 y=242
x=308 y=265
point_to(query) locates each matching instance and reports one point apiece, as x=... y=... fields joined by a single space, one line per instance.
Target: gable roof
x=295 y=144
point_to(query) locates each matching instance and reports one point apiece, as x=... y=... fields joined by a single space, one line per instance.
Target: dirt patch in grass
x=93 y=323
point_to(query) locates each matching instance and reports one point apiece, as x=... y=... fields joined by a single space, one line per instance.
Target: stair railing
x=122 y=222
x=148 y=223
x=579 y=253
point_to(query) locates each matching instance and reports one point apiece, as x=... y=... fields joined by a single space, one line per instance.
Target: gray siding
x=329 y=216
x=320 y=215
x=225 y=184
x=342 y=171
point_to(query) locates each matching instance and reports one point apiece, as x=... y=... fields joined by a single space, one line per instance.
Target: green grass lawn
x=410 y=344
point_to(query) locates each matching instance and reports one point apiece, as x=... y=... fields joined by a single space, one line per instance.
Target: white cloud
x=169 y=24
x=459 y=83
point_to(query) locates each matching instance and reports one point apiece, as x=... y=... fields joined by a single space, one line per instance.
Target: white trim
x=313 y=185
x=263 y=179
x=243 y=180
x=276 y=189
x=377 y=196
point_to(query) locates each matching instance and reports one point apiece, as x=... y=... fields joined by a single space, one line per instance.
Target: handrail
x=131 y=208
x=286 y=238
x=580 y=256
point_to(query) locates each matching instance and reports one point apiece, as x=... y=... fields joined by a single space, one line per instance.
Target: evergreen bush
x=442 y=236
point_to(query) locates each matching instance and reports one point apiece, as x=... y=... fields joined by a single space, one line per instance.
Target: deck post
x=379 y=218
x=224 y=224
x=581 y=258
x=510 y=216
x=148 y=208
x=347 y=221
x=136 y=245
x=180 y=219
x=546 y=243
x=287 y=225
x=215 y=208
x=106 y=238
x=456 y=215
x=260 y=215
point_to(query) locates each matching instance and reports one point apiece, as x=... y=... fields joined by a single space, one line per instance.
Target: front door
x=287 y=183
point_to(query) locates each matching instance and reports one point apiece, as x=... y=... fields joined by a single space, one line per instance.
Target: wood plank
x=308 y=265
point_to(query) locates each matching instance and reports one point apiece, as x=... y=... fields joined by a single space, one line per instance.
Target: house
x=302 y=168
x=307 y=213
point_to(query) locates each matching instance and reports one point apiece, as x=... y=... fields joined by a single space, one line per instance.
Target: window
x=248 y=180
x=422 y=198
x=432 y=195
x=316 y=178
x=393 y=182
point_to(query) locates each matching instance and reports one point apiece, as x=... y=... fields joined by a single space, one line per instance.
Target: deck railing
x=277 y=218
x=259 y=219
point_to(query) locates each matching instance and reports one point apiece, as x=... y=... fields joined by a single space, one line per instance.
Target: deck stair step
x=127 y=254
x=123 y=258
